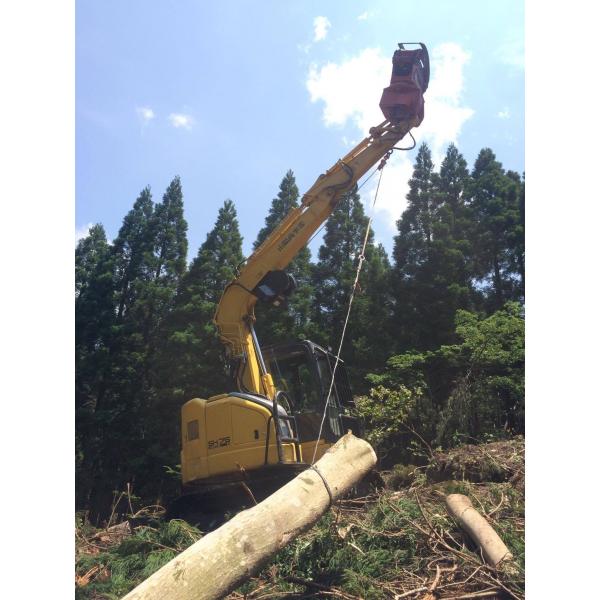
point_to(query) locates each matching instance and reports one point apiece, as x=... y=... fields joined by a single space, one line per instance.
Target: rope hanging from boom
x=361 y=259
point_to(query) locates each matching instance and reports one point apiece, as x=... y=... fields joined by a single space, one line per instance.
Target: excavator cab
x=240 y=447
x=302 y=373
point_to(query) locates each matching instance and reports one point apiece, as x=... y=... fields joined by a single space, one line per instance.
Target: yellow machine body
x=227 y=435
x=277 y=417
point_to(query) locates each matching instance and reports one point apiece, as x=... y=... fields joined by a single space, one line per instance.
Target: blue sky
x=231 y=95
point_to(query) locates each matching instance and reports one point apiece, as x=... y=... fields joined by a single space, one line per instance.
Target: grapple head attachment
x=403 y=99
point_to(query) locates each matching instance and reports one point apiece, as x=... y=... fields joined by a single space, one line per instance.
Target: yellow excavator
x=239 y=447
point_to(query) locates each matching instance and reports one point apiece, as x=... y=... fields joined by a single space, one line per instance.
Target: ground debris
x=401 y=543
x=112 y=561
x=502 y=461
x=397 y=542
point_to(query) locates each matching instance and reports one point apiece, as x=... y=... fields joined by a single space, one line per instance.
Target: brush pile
x=396 y=543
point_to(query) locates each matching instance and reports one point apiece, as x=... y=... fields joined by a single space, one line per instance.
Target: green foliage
x=489 y=393
x=471 y=389
x=432 y=333
x=460 y=245
x=432 y=253
x=138 y=280
x=326 y=557
x=385 y=410
x=94 y=320
x=364 y=553
x=333 y=278
x=457 y=487
x=370 y=551
x=497 y=205
x=132 y=249
x=134 y=559
x=401 y=476
x=170 y=242
x=191 y=358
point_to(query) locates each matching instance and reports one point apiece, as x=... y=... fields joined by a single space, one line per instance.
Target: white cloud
x=179 y=120
x=512 y=52
x=82 y=232
x=351 y=91
x=321 y=25
x=145 y=113
x=364 y=16
x=504 y=113
x=391 y=199
x=445 y=113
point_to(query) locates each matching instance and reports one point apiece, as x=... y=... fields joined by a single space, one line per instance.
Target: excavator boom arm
x=262 y=275
x=235 y=313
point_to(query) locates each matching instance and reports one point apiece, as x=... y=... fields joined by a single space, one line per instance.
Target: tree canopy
x=434 y=342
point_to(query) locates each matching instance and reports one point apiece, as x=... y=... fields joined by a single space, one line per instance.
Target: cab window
x=293 y=375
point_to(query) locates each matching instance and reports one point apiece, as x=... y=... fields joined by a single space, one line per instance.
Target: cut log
x=222 y=560
x=479 y=530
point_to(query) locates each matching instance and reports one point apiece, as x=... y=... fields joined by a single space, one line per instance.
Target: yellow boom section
x=235 y=312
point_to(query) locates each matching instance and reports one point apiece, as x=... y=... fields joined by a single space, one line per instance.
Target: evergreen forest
x=435 y=341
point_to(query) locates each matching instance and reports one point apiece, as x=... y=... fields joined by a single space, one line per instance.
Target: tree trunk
x=479 y=530
x=497 y=282
x=222 y=560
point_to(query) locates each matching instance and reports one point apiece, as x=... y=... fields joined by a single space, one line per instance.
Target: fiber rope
x=361 y=259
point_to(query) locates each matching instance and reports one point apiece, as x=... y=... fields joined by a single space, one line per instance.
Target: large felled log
x=222 y=560
x=479 y=530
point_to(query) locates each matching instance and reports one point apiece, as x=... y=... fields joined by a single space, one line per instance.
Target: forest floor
x=398 y=542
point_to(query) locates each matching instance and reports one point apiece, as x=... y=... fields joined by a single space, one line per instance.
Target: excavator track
x=208 y=506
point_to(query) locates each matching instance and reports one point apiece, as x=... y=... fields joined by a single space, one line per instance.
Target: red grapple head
x=403 y=99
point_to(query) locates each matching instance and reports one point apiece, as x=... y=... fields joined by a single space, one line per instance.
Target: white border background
x=37 y=154
x=563 y=298
x=37 y=219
